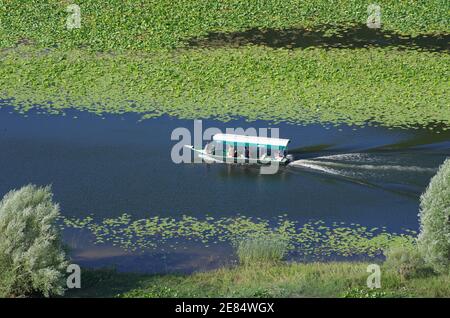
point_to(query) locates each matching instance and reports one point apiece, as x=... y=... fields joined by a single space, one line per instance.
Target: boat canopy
x=243 y=139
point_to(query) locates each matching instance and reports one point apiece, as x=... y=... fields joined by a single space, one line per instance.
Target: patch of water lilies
x=352 y=86
x=158 y=24
x=311 y=239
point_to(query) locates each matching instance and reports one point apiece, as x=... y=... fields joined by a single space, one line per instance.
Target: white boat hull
x=209 y=158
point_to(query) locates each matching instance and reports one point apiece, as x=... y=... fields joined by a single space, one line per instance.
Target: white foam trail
x=359 y=157
x=313 y=165
x=376 y=167
x=344 y=156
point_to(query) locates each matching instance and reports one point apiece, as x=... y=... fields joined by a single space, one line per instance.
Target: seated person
x=279 y=154
x=231 y=151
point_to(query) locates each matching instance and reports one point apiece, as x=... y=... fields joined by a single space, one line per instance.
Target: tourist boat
x=243 y=149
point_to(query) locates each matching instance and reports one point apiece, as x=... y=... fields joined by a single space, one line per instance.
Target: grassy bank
x=343 y=279
x=352 y=86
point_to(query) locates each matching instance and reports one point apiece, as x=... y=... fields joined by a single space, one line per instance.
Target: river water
x=106 y=166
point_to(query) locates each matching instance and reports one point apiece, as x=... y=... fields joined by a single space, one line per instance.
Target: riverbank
x=334 y=279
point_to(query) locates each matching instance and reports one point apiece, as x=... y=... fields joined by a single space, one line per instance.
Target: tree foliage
x=32 y=257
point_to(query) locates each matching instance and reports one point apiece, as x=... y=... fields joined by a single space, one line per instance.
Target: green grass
x=353 y=86
x=162 y=24
x=342 y=279
x=106 y=282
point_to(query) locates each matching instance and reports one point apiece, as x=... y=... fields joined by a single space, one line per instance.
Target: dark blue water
x=107 y=166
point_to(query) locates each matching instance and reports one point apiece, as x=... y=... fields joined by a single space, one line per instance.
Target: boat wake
x=345 y=164
x=404 y=172
x=396 y=172
x=314 y=165
x=371 y=167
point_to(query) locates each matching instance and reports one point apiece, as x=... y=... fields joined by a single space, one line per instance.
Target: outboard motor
x=290 y=158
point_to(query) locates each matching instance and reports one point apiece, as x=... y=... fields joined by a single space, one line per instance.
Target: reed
x=261 y=250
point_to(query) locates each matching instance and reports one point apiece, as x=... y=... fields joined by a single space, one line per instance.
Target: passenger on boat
x=230 y=151
x=210 y=149
x=279 y=154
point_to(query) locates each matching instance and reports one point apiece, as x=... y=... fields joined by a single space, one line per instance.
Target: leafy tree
x=32 y=257
x=434 y=236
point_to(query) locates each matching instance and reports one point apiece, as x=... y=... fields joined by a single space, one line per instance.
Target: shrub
x=364 y=293
x=405 y=260
x=32 y=258
x=434 y=236
x=259 y=250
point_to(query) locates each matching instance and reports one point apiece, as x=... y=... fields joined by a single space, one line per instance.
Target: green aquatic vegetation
x=131 y=56
x=352 y=86
x=312 y=240
x=164 y=24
